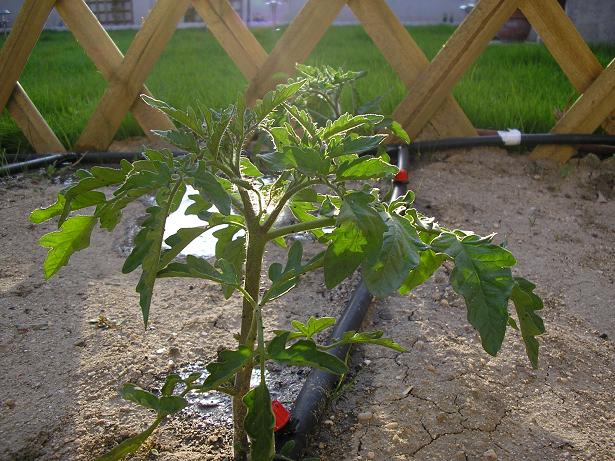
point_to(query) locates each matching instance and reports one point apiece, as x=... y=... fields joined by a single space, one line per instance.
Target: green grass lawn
x=517 y=86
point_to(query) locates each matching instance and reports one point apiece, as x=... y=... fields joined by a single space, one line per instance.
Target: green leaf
x=364 y=168
x=370 y=337
x=259 y=423
x=278 y=161
x=344 y=254
x=228 y=363
x=273 y=99
x=170 y=404
x=211 y=190
x=187 y=119
x=130 y=445
x=248 y=168
x=170 y=383
x=178 y=242
x=304 y=353
x=483 y=277
x=428 y=264
x=399 y=254
x=232 y=250
x=309 y=161
x=356 y=208
x=399 y=131
x=146 y=253
x=200 y=268
x=73 y=235
x=141 y=397
x=312 y=326
x=360 y=144
x=347 y=123
x=526 y=305
x=83 y=200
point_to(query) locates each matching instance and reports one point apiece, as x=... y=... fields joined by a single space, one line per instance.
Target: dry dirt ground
x=67 y=345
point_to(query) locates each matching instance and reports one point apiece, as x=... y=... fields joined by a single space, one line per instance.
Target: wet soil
x=67 y=345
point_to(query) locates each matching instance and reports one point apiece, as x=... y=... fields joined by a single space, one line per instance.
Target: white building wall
x=595 y=19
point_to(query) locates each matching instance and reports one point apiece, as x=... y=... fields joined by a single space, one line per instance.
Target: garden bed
x=66 y=346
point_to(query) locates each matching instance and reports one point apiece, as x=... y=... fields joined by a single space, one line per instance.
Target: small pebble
x=391 y=425
x=489 y=455
x=321 y=445
x=328 y=422
x=212 y=438
x=10 y=403
x=460 y=456
x=365 y=417
x=371 y=455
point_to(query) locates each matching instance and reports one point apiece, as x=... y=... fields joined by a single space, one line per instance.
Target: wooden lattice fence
x=428 y=103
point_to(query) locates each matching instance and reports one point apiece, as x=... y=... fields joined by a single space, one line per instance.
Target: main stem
x=254 y=262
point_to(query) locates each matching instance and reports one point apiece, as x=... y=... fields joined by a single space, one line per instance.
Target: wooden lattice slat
x=31 y=122
x=408 y=60
x=428 y=102
x=302 y=35
x=461 y=50
x=107 y=58
x=125 y=85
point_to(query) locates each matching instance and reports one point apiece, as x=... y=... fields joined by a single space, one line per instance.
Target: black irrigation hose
x=319 y=385
x=503 y=139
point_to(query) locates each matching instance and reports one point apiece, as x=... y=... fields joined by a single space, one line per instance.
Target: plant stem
x=300 y=227
x=247 y=336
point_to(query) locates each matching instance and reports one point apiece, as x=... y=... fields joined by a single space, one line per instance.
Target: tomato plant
x=324 y=178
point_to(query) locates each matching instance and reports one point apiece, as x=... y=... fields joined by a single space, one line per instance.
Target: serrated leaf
x=273 y=99
x=399 y=131
x=356 y=208
x=370 y=337
x=73 y=235
x=483 y=277
x=399 y=254
x=211 y=190
x=130 y=445
x=309 y=161
x=178 y=242
x=170 y=383
x=248 y=168
x=526 y=304
x=344 y=254
x=364 y=168
x=428 y=264
x=188 y=118
x=140 y=396
x=313 y=326
x=259 y=423
x=83 y=200
x=146 y=253
x=347 y=123
x=360 y=144
x=170 y=404
x=200 y=268
x=183 y=140
x=224 y=368
x=305 y=353
x=232 y=250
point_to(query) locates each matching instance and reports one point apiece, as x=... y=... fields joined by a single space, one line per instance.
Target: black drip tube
x=314 y=395
x=502 y=139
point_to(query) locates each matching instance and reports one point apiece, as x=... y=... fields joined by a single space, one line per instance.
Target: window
x=112 y=12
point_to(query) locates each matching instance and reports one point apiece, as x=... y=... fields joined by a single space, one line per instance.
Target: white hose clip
x=510 y=137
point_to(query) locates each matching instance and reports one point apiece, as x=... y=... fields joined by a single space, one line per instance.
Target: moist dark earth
x=67 y=345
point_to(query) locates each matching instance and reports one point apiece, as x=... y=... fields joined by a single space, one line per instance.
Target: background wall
x=595 y=19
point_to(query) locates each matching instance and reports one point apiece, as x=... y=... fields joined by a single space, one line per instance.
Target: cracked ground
x=69 y=344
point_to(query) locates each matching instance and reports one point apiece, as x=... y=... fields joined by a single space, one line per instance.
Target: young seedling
x=322 y=176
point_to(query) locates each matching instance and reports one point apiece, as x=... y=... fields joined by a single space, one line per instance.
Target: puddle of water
x=215 y=408
x=203 y=246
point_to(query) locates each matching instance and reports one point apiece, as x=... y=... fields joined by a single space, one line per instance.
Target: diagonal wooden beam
x=32 y=123
x=436 y=82
x=107 y=58
x=125 y=85
x=20 y=42
x=233 y=35
x=407 y=60
x=302 y=35
x=565 y=44
x=585 y=116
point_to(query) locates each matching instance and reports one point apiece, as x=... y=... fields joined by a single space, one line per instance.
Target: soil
x=67 y=345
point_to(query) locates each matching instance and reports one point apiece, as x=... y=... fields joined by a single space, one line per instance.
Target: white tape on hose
x=510 y=137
